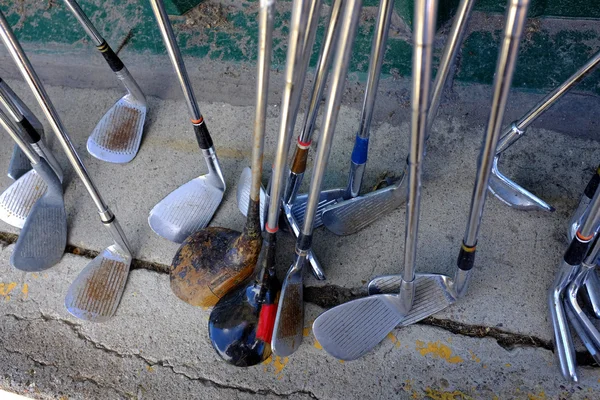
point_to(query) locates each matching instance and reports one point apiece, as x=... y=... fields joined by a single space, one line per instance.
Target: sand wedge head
x=18 y=199
x=352 y=329
x=243 y=195
x=352 y=215
x=117 y=136
x=326 y=198
x=289 y=322
x=433 y=293
x=512 y=194
x=96 y=292
x=187 y=209
x=19 y=164
x=43 y=238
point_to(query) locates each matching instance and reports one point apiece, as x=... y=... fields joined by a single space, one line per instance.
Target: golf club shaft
x=423 y=36
x=515 y=21
x=202 y=135
x=293 y=60
x=298 y=166
x=341 y=61
x=14 y=133
x=517 y=129
x=358 y=159
x=16 y=51
x=265 y=47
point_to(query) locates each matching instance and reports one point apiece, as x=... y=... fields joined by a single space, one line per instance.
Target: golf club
x=96 y=292
x=350 y=216
x=503 y=188
x=117 y=136
x=43 y=238
x=299 y=160
x=19 y=163
x=190 y=207
x=241 y=323
x=350 y=330
x=584 y=202
x=568 y=269
x=432 y=292
x=289 y=322
x=214 y=260
x=18 y=199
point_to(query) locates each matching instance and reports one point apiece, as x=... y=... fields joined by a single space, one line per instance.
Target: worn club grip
x=32 y=134
x=592 y=185
x=111 y=57
x=202 y=136
x=466 y=257
x=299 y=161
x=577 y=251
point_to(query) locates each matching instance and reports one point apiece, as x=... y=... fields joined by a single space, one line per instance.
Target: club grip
x=360 y=150
x=30 y=131
x=576 y=251
x=592 y=185
x=111 y=57
x=466 y=257
x=202 y=136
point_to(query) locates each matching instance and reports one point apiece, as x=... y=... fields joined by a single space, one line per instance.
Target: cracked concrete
x=495 y=342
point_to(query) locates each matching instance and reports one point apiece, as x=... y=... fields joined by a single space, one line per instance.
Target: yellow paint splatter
x=35 y=276
x=474 y=357
x=305 y=332
x=393 y=339
x=507 y=365
x=438 y=349
x=6 y=288
x=449 y=340
x=318 y=345
x=540 y=396
x=25 y=291
x=149 y=368
x=442 y=395
x=341 y=361
x=484 y=366
x=279 y=364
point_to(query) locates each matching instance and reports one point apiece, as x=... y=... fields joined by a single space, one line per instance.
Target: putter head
x=117 y=136
x=326 y=199
x=96 y=292
x=289 y=322
x=43 y=238
x=352 y=215
x=187 y=209
x=352 y=329
x=512 y=194
x=18 y=199
x=433 y=293
x=243 y=195
x=19 y=164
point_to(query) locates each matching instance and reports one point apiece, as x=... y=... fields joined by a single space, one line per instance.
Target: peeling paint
x=439 y=350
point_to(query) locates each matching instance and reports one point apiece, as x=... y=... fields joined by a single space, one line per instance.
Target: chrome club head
x=18 y=199
x=43 y=238
x=19 y=164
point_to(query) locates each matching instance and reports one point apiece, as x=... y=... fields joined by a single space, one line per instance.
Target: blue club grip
x=361 y=148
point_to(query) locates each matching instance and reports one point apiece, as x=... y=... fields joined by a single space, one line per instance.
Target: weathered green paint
x=180 y=7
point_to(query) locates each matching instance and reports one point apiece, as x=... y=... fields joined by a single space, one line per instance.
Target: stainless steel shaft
x=85 y=22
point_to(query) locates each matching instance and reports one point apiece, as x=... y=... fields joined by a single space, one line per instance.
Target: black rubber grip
x=592 y=185
x=32 y=134
x=111 y=57
x=466 y=258
x=202 y=136
x=304 y=242
x=576 y=251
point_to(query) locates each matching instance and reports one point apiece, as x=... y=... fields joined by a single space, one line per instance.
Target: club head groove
x=96 y=292
x=186 y=210
x=289 y=322
x=18 y=199
x=326 y=199
x=117 y=136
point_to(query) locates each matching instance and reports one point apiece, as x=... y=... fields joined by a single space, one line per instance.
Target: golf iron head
x=96 y=292
x=18 y=199
x=352 y=215
x=351 y=330
x=43 y=238
x=117 y=136
x=187 y=209
x=512 y=194
x=19 y=164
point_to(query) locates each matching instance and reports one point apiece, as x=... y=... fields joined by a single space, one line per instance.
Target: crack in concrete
x=329 y=296
x=75 y=328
